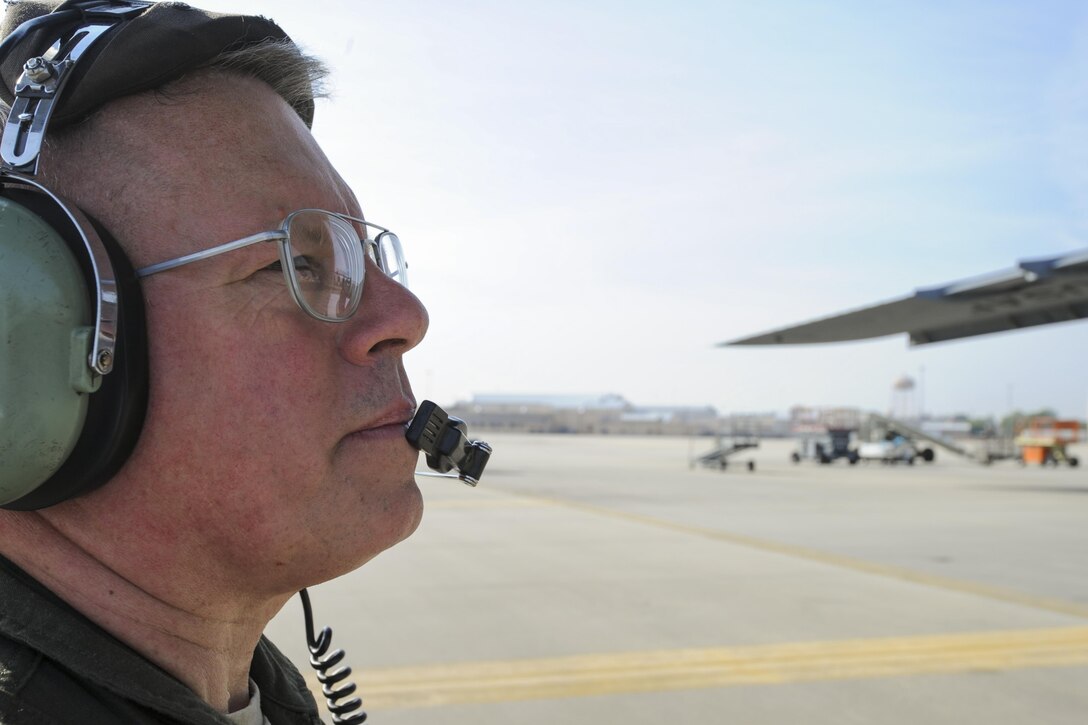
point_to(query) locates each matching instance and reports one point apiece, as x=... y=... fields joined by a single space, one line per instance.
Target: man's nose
x=390 y=320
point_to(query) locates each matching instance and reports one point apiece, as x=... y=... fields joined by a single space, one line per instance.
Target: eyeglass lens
x=391 y=257
x=326 y=264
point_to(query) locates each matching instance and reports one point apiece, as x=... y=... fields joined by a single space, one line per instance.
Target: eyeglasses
x=323 y=258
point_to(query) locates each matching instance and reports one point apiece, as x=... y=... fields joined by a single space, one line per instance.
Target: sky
x=593 y=194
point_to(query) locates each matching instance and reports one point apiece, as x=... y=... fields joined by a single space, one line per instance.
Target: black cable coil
x=343 y=713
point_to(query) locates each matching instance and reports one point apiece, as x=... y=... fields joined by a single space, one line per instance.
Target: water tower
x=904 y=406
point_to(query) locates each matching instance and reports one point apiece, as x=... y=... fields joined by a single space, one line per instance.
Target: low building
x=598 y=414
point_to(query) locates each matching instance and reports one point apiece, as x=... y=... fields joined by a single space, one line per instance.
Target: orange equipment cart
x=1044 y=440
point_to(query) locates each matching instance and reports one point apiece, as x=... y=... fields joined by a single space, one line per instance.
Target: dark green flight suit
x=59 y=668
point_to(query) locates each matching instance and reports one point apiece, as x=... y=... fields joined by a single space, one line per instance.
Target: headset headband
x=44 y=77
x=148 y=45
x=36 y=93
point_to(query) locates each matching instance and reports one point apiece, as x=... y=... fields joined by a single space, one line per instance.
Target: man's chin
x=418 y=505
x=401 y=515
x=398 y=525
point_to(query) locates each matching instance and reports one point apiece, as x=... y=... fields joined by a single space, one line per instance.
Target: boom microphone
x=445 y=440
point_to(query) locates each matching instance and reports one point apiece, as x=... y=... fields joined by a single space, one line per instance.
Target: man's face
x=274 y=445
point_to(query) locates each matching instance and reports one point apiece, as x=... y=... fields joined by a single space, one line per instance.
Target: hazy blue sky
x=592 y=194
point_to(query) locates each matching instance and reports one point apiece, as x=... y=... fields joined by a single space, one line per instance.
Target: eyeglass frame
x=286 y=261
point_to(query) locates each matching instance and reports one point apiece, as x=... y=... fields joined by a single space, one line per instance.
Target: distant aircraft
x=1035 y=292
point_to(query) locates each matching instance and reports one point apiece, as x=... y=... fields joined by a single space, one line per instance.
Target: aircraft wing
x=1035 y=292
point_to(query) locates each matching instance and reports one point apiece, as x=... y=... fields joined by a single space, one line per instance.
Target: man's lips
x=393 y=421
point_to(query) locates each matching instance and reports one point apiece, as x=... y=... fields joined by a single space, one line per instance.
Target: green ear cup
x=46 y=327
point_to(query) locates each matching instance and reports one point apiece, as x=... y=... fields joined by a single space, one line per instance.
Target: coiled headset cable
x=323 y=662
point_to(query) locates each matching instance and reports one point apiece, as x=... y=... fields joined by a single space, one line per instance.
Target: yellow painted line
x=844 y=562
x=682 y=669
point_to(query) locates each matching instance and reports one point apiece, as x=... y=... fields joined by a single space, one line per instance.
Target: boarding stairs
x=916 y=433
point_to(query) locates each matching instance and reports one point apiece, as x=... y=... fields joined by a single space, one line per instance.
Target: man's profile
x=265 y=451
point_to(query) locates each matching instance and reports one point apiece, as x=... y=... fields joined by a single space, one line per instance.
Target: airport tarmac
x=601 y=580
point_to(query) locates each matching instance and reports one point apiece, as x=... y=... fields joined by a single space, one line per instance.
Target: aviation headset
x=73 y=345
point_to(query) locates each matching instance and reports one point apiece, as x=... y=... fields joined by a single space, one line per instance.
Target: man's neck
x=202 y=637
